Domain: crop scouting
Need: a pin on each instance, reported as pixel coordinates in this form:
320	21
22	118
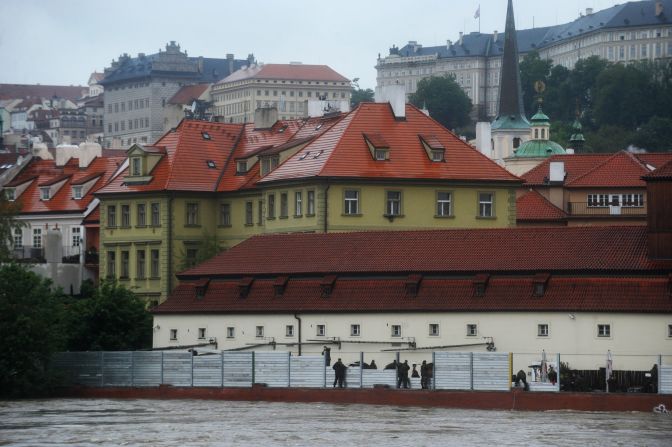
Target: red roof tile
295	72
549	249
662	173
188	93
535	207
15	91
620	170
345	153
353	294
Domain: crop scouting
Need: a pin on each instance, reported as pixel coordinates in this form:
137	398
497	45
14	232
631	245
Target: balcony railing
582	209
37	255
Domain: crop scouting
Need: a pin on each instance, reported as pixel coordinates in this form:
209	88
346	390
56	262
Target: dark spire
511	112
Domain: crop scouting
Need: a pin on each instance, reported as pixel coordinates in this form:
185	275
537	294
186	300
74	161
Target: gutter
170	243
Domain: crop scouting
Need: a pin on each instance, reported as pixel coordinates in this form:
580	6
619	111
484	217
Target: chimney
589	11
449	43
265	117
557	171
396	95
658	212
229	58
461	41
495	35
659	8
88	152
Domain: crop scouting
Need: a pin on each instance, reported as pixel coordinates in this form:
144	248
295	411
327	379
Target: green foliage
444	98
113	319
655	135
608	139
360	95
8	212
30	331
532	69
208	248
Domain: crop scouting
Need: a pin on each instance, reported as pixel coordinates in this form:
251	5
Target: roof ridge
170	159
605	163
351	116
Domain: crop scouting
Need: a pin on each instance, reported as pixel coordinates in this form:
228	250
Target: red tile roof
188	93
15	91
579	165
662	173
535	207
549	249
620	170
290	72
436	294
345	153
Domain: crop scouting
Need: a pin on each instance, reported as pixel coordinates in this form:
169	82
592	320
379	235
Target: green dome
540	119
539	148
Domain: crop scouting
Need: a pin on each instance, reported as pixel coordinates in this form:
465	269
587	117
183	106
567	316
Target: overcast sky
62	41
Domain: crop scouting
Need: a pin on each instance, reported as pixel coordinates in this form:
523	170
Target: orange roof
15	91
188	93
342	151
291	72
535	207
42	173
579	165
662	173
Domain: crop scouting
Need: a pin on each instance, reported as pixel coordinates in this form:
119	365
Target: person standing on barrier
522	377
326	352
424	375
414	373
403	379
373	365
339	376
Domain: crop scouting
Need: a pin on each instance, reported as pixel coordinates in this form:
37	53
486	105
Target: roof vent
244	286
413	285
327	285
481	283
279	285
540	282
200	288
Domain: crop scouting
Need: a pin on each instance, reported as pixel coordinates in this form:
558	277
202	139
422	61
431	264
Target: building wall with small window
635	339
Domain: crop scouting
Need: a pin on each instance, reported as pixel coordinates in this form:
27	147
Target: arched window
516	143
543	133
536	134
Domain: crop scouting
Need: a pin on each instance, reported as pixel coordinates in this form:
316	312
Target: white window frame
45	193
486	206
298	203
604	330
173	335
202	333
259	332
310	206
434	329
442	203
472	330
76	233
543	330
669	330
355	330
230	332
321	330
395	331
136	166
393	204
77	192
18	238
350	203
37	237
289	331
10	194
598	200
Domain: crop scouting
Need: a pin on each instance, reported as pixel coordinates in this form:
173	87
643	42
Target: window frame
136	166
481	203
270	206
173	334
289	331
298	203
440	202
125	267
543	330
77	192
155	214
140	263
321	330
202	333
350	202
310	202
125	213
390	203
604	330
192	215
249	213
225	214
155	263
472	329
432	332
259	332
395	331
141	215
284	205
355	330
230	332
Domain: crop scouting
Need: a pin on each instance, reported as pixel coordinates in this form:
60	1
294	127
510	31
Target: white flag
477	14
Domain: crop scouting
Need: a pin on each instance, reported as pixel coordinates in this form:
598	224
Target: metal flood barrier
451	371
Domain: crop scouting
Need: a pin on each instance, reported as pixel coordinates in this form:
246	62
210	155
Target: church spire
511	112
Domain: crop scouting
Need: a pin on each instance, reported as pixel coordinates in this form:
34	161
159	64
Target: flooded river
89	422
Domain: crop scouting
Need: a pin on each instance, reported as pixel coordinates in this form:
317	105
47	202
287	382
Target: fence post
289	369
433	378
510	368
102	368
252	367
471	370
192	369
132	368
221	361
557	365
162	367
660	371
324	374
361	369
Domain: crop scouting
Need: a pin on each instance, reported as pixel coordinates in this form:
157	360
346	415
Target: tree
655	135
360	95
533	69
208	248
8	223
113	319
31	330
444	98
623	97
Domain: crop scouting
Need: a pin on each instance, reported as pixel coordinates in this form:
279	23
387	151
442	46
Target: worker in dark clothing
522	377
373	365
393	365
424	375
326	352
402	376
414	373
339	376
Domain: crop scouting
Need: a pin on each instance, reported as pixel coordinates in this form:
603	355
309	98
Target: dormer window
136	166
380	149
381	154
269	163
10	194
433	146
241	167
437	155
45	193
77	192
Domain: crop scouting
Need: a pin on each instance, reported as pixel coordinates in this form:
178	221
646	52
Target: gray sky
63	41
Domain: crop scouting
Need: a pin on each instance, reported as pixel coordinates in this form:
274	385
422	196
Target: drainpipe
326	208
170	243
299	331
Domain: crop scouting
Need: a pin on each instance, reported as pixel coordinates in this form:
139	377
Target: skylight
303	156
206	136
211	164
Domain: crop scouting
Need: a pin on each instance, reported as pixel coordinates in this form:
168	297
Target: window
393	206
142	220
380	154
485	200
192	214
669	331
289	330
249	217
77	192
396	330
173	334
18	238
351	205
310	210
270	212
111	264
230	332
124	264
516	143
437	155
37	237
136	166
140	264
111	216
191	256
542	330
298	203
355	330
321	330
225	214
632	200
260	212
125	216
201	333
259	331
443	202
241	167
433	330
76	236
283	205
156	216
155	264
604	330
472	330
45	193
598	200
10	194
